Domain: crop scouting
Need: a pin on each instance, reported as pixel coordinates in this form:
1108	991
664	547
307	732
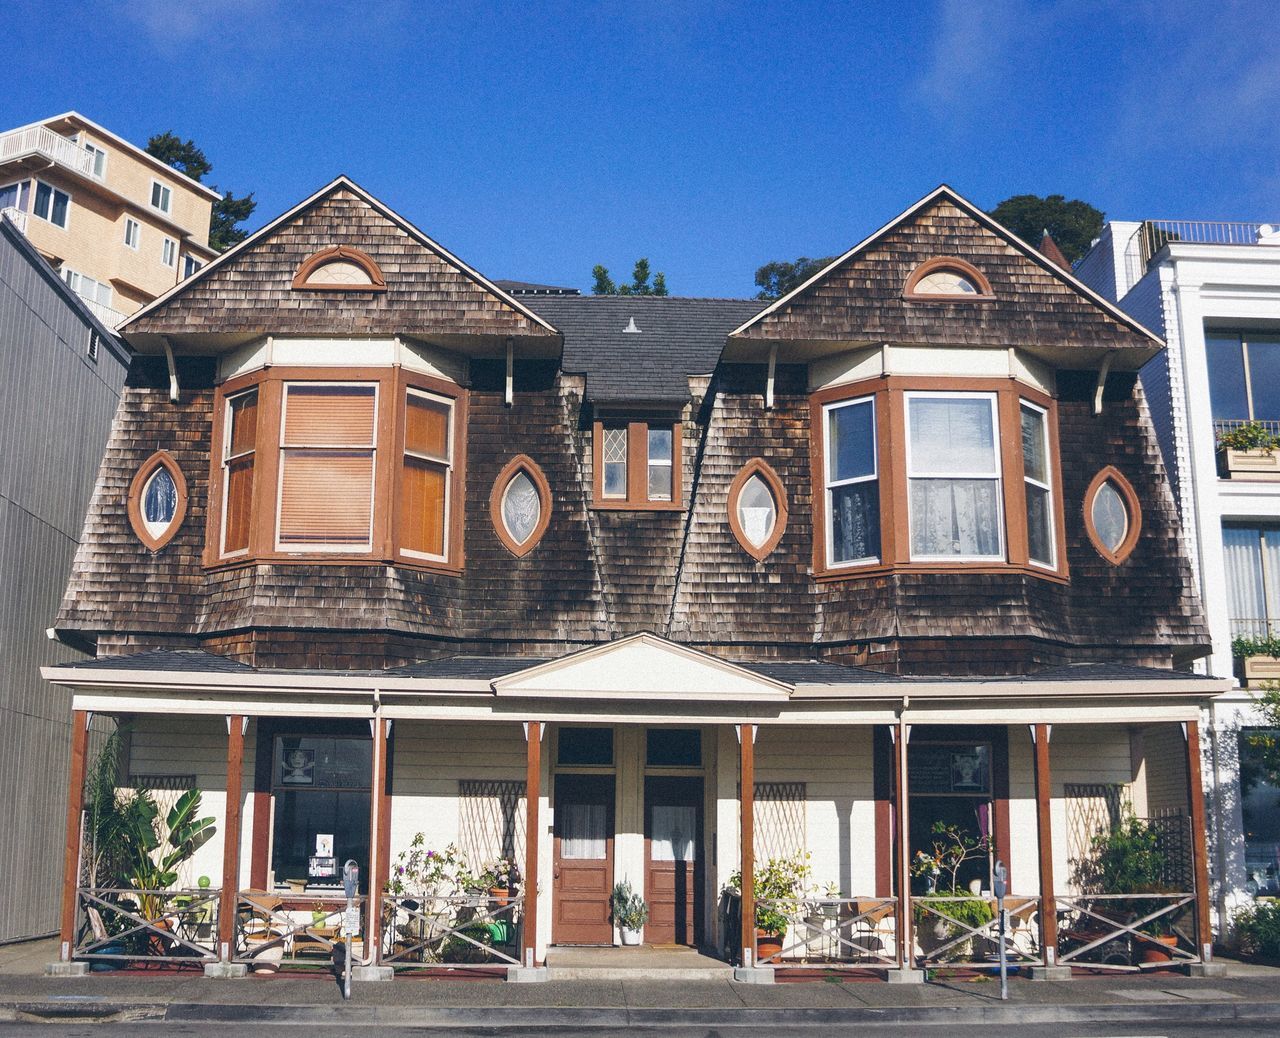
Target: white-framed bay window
954	491
1038	486
852	482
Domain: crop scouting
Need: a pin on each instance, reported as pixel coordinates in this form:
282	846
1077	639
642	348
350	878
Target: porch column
1199	843
747	801
373	928
906	942
532	794
231	837
75	813
1044	831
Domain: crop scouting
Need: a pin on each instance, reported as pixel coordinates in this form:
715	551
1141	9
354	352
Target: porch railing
116	924
274	930
834	932
1127	932
965	931
463	929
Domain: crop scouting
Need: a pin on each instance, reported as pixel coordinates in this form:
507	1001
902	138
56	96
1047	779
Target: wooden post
902	796
230	901
1199	841
532	794
75	813
747	800
373	881
1044	831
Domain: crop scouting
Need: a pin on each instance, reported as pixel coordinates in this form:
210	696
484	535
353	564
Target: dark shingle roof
532	288
194	660
481	668
677	338
815	672
1112	672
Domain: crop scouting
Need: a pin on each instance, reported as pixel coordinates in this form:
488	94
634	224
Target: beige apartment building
119	225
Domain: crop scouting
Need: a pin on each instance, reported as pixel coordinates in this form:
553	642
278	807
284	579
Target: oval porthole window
157	500
520	505
1112	515
757	509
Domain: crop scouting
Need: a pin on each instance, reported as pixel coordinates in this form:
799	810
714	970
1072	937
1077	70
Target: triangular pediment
643	667
429	293
862	297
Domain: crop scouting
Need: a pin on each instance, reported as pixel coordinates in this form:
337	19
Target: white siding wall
1024	836
1165	759
1083	754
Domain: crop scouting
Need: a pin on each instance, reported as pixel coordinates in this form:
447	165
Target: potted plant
630	912
939	869
1127	859
1249	449
1260	656
500	878
779	893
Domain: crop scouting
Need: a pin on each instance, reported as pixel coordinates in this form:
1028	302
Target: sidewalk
1246	993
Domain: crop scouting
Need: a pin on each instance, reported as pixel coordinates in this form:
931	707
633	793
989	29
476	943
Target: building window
317	467
161	197
87	288
190	265
1259	797
953	476
97	159
341	268
757	509
1112	515
132	232
1252	556
169	252
637	465
520	505
1244	377
912	475
52	205
947	278
14	196
157	500
585	747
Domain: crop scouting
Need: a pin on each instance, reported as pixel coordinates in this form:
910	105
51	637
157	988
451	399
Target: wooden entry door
582	873
673	860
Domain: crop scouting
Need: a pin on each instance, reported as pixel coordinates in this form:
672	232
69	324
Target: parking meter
1000	887
350	878
350	886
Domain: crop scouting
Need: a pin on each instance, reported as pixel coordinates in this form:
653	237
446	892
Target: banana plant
156	860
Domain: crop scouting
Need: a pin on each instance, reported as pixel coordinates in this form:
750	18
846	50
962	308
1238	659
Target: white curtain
955	517
674	829
1242	549
582	831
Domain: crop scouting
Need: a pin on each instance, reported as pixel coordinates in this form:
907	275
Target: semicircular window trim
340	268
947	279
1112	515
520	505
157	501
757	507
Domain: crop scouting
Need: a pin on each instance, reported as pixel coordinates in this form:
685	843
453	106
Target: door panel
582	860
673	866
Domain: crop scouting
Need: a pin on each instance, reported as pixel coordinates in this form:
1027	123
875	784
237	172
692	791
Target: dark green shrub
1258	930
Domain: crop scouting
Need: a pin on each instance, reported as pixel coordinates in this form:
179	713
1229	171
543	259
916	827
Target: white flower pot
630	938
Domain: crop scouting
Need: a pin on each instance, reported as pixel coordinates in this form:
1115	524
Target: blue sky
535	140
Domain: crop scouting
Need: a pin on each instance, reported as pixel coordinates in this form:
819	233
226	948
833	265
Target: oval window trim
1112	475
138	486
954	265
520	463
758	467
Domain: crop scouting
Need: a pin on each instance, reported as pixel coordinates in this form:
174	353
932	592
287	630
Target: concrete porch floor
646	962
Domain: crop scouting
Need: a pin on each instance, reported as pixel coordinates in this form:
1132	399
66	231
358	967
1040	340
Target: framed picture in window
970	770
298	767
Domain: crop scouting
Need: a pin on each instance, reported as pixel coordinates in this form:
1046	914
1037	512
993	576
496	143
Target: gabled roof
138	321
674	338
761	326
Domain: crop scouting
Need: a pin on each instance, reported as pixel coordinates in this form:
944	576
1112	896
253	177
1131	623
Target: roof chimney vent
631	328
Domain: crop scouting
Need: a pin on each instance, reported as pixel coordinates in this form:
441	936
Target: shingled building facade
663	591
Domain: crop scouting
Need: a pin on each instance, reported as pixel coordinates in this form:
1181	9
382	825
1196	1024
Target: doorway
582	859
673	859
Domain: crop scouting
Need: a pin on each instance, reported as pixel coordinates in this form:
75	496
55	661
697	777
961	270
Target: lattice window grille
1093	808
615	445
780	830
491	821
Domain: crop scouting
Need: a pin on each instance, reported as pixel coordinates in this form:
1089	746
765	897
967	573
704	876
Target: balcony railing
1156	234
1222	426
16	217
111	318
42	142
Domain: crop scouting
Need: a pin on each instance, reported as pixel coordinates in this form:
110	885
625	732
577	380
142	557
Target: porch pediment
646	667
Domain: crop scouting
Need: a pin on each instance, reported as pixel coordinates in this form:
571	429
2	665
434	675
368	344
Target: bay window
426	475
852	486
1041	549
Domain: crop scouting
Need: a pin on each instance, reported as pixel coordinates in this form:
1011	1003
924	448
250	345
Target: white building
1213	291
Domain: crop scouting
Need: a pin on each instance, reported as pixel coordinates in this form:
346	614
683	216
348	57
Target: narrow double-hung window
161	197
1041	549
132	232
326	467
613	457
169	252
953	476
428	471
660	471
239	453
97	160
852	482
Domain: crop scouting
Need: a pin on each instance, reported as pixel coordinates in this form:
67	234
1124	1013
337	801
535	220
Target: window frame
170	246
137	487
130	224
448	465
637	495
520	463
1111	474
53	193
956	265
758	467
385	546
95	153
828	485
1052	564
166	192
891	428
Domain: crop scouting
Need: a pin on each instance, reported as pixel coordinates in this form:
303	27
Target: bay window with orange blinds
321	464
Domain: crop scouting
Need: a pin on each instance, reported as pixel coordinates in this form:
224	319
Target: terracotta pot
502	895
767	944
1158	948
157	945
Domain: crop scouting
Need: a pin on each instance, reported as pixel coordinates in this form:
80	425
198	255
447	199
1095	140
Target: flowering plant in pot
780	885
630	912
500	878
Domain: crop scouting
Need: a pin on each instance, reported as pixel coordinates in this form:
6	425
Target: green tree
229	211
1263	764
639	286
778	278
1073	225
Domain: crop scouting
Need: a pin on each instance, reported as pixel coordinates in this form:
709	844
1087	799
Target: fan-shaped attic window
157	500
342	268
520	505
947	278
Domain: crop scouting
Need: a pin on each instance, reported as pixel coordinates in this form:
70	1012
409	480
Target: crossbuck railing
1127	932
947	935
475	929
119	924
834	932
40	140
293	929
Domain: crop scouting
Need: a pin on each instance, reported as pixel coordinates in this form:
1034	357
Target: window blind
425	479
